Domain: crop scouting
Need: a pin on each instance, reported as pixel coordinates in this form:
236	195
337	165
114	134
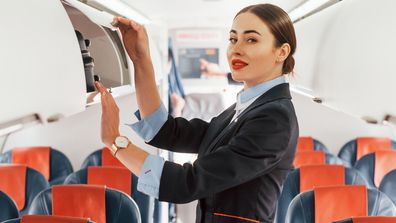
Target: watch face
121	141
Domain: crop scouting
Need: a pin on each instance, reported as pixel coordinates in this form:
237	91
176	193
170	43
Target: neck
276	72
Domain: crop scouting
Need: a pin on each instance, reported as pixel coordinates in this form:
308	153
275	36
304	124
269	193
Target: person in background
245	153
209	69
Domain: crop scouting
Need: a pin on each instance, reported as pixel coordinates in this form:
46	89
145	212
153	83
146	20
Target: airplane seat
315	158
357	148
101	157
22	184
388	185
104	158
9	209
376	165
327	204
48	219
53	164
370	219
100	204
307	143
307	177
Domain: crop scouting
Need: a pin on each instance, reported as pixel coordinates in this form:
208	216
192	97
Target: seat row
25	182
312	151
319	192
96	202
301	185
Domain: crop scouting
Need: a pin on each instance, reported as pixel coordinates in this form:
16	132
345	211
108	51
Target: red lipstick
238	64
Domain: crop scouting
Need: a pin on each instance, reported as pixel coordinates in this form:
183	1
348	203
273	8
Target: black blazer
241	166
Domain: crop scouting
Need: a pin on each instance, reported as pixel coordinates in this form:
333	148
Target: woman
245	153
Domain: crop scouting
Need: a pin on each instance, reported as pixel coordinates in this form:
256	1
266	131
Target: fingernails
115	22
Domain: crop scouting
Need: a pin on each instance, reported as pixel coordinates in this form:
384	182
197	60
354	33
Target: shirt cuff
148	127
150	176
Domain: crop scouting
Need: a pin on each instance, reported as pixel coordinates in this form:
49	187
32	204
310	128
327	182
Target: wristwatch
121	142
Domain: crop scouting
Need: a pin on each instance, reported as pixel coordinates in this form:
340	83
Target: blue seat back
8	208
302	208
120	208
348	152
35	183
60	165
291	189
145	202
48	220
370	219
388	185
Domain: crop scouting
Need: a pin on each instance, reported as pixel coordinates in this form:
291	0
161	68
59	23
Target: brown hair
281	27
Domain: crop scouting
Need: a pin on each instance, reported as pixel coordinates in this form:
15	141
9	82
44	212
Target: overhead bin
345	58
41	70
42	65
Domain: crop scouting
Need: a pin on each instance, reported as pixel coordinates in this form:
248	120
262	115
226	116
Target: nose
236	49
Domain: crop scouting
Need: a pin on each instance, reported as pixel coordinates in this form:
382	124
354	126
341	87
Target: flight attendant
245	153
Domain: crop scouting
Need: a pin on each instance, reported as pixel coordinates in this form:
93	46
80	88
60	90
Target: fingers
204	63
102	90
124	23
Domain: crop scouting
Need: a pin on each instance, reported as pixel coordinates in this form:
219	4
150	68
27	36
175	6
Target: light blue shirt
147	128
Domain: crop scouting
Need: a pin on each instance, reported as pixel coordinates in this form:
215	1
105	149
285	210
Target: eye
232	40
251	40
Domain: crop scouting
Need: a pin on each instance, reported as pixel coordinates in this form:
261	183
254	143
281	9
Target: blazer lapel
278	92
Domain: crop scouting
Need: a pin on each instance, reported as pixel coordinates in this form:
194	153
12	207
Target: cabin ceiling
193	13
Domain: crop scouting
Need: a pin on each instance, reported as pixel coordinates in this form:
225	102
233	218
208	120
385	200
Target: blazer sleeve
255	150
180	135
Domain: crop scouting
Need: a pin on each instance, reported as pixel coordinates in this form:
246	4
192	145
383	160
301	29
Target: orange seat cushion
109	160
320	176
309	158
366	145
305	144
374	219
340	202
114	177
51	219
13	183
37	158
385	161
85	201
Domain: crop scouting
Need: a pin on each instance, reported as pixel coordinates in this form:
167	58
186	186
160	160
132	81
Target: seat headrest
37	158
366	145
321	175
13	183
309	158
109	160
340	202
114	177
370	219
305	144
86	201
52	219
385	161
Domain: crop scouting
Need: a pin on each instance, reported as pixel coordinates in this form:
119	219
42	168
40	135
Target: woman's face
252	55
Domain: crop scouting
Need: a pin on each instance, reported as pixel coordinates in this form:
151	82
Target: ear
283	52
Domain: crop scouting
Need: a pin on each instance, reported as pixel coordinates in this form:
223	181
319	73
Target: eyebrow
246	31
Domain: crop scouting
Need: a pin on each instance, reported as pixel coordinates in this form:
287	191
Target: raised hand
135	39
110	116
